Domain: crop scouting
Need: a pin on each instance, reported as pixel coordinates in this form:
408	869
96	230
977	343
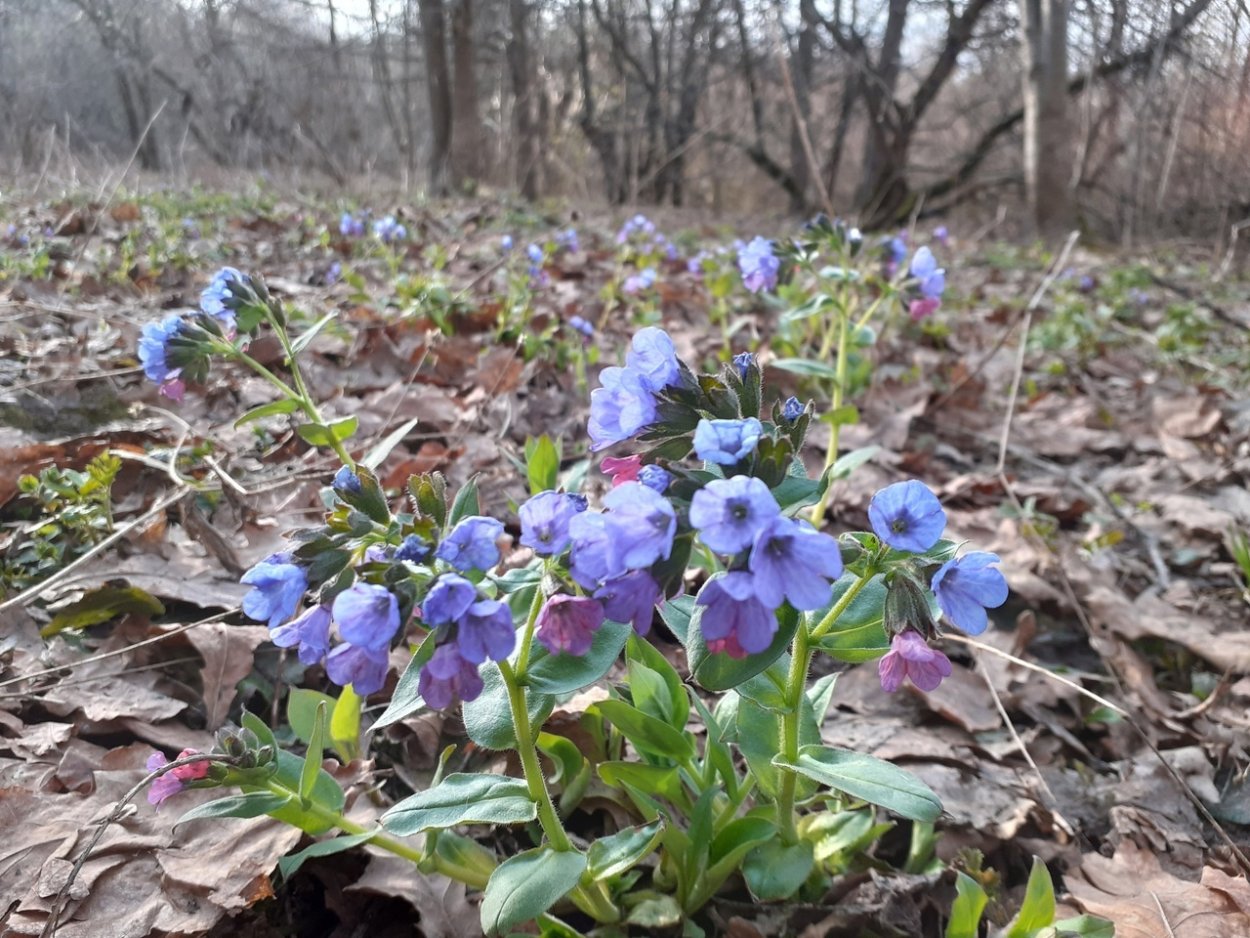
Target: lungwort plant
703	529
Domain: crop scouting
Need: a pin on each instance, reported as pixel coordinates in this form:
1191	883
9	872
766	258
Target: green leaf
407	699
101	605
306	337
312	759
649	735
613	855
807	368
376	456
858	635
325	792
774	870
844	416
872	780
1086	926
288	865
301	711
488	718
654	911
654	684
849	462
527	885
462	798
542	464
251	804
676	614
345	724
759	739
966	911
466	503
564	754
316	434
283	405
718	672
1038	908
563	673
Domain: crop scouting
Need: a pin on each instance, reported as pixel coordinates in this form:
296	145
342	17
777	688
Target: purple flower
568	239
966	587
310	631
620	408
725	442
655	478
653	358
568	624
333	273
486	631
363	668
505	243
228	291
923	307
793	561
448	599
730	513
792	410
388	230
448	677
911	657
941	235
175	780
154	355
639	224
545	521
734	620
631	598
590	559
278	586
412	548
695	264
643	280
743	362
367	615
758	264
640	526
931	277
471	544
907	516
350	226
895	249
582	326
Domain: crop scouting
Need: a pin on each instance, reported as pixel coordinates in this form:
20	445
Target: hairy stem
796	685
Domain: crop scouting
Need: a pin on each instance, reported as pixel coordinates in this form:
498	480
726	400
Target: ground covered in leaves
1114	489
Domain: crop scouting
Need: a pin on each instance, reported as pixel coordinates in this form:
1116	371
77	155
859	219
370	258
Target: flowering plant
717	546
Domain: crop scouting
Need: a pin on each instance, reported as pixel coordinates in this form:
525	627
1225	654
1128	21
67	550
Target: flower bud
907	607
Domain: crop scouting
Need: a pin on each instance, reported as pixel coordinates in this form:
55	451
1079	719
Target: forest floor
1113	489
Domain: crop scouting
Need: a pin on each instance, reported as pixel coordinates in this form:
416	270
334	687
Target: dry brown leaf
228	652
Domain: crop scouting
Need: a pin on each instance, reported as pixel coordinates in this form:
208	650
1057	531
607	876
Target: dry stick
809	154
1240	857
40	588
58	903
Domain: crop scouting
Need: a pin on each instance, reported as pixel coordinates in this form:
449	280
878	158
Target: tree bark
468	147
438	86
1047	136
528	157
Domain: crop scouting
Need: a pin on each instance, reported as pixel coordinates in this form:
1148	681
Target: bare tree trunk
438	85
468	146
804	63
528	157
1047	137
879	148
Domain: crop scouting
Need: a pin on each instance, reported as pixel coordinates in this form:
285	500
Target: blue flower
590	559
448	677
758	264
568	624
932	279
486	631
311	631
505	243
448	599
388	230
363	668
345	480
367	615
228	290
895	249
655	478
350	226
941	234
725	442
154	354
582	326
640	526
643	280
743	362
278	586
730	513
545	521
966	587
412	548
568	239
333	273
471	544
653	358
631	598
534	253
792	410
907	516
620	408
794	561
734	620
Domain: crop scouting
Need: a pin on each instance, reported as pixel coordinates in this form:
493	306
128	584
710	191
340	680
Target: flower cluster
388	230
636	283
176	779
644	238
759	265
352	225
626	401
930	282
567	239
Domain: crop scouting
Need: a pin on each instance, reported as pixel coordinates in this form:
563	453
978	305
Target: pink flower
568	624
923	307
622	469
173	782
911	657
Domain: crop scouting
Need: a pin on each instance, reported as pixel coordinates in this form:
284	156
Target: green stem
796	685
839	385
547	816
527	636
841	605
